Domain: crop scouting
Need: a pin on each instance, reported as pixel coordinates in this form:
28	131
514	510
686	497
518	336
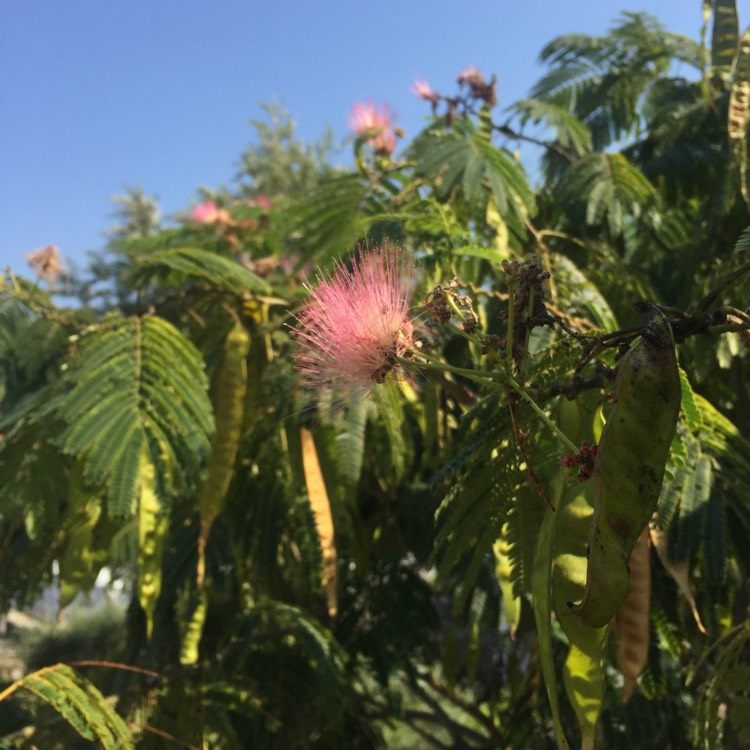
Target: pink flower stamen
422	89
367	118
208	213
46	263
355	326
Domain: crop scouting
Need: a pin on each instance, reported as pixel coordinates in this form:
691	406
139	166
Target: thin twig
520	440
164	735
113	665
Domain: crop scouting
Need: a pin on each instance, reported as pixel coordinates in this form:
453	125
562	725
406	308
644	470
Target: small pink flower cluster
477	85
367	118
422	89
585	460
261	201
355	324
209	213
46	263
470	76
471	79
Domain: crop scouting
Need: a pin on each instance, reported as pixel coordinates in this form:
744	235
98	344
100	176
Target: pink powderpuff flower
356	323
262	200
422	89
208	213
366	117
46	263
469	75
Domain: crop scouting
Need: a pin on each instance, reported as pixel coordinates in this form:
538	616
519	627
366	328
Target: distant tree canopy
280	164
535	537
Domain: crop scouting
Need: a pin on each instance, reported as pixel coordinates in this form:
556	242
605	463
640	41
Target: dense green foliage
402	577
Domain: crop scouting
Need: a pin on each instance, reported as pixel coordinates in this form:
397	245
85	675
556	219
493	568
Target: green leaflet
688	407
350	443
688	524
79	702
152	531
390	413
504	573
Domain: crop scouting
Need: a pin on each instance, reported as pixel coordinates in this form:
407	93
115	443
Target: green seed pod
231	385
193	631
583	670
229	408
79	565
152	531
629	468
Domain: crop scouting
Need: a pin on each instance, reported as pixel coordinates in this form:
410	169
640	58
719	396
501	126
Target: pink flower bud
208	213
422	89
365	118
46	263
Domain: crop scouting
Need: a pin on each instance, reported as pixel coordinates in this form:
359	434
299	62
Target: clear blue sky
96	94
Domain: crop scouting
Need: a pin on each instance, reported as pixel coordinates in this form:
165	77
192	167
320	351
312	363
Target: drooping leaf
570	133
581	295
197	263
79	702
606	186
462	157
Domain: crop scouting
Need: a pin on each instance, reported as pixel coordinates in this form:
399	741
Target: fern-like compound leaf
131	380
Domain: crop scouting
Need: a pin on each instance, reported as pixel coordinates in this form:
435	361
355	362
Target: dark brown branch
729	279
515	135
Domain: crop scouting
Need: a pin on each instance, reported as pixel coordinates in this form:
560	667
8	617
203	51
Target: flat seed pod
629	468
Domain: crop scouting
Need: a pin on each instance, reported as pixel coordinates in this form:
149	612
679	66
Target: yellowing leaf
678	570
632	622
321	508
